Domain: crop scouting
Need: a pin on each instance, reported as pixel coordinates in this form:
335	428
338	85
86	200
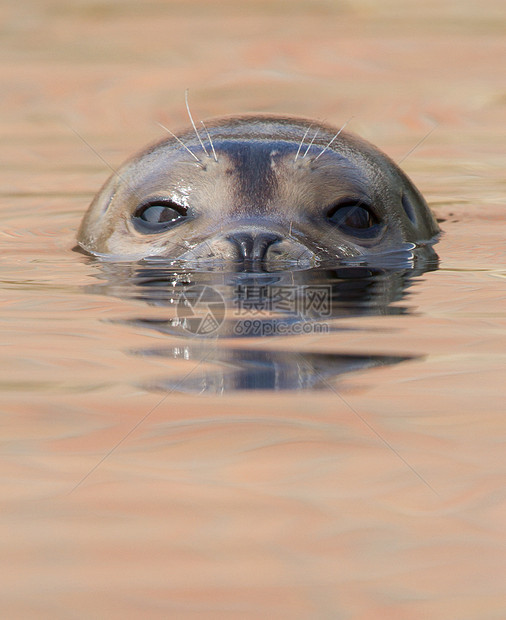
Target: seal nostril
253	246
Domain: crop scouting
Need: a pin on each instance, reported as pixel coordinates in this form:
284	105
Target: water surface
353	470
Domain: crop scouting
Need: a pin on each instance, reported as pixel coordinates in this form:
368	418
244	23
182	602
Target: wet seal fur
264	192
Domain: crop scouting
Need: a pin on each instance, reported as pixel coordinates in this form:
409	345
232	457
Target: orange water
381	496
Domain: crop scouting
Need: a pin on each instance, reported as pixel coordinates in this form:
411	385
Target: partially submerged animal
261	192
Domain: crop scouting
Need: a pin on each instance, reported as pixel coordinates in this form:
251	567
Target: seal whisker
321	153
183	145
302	142
311	143
419	143
210	141
193	122
115	172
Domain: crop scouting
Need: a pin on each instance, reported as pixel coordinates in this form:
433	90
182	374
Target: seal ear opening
408	208
422	219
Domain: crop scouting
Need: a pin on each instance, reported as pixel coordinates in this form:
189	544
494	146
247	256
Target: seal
266	192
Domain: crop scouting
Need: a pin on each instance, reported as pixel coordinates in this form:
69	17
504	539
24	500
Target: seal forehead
268	176
251	164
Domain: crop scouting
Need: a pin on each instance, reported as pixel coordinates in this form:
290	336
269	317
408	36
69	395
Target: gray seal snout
253	246
252	249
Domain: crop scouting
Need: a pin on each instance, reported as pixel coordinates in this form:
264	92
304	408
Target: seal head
264	192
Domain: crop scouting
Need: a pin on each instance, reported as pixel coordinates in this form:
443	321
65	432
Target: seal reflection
204	314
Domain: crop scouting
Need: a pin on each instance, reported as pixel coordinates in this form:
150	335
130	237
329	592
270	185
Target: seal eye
354	217
158	216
